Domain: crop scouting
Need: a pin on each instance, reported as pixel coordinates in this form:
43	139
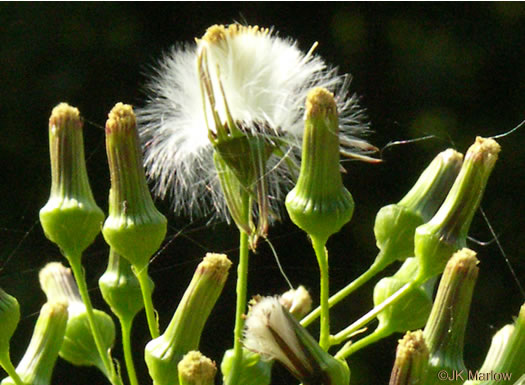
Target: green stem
322	259
125	325
352	347
375	268
105	356
242	286
348	331
145	287
5	362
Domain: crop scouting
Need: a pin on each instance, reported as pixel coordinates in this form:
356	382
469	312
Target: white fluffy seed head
297	301
265	79
266	327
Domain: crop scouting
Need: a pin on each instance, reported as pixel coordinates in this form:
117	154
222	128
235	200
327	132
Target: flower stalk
409	314
446	232
319	204
395	224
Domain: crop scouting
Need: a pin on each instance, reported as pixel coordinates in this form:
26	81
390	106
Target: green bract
506	353
184	331
120	287
445	329
394	231
409	313
36	366
319	204
9	318
70	218
447	231
134	227
396	223
78	347
253	369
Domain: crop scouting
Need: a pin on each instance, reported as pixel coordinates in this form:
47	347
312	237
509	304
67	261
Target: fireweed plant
238	125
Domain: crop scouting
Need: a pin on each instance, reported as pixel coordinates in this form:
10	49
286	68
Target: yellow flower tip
412	343
320	102
196	368
121	117
63	114
215	34
56	308
463	260
218	32
217	265
485	150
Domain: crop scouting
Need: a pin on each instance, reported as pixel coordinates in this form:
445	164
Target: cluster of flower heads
246	77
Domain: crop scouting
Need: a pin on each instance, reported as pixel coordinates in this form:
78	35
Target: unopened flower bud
410	366
70	218
120	287
253	369
184	331
134	228
319	204
506	354
78	347
275	334
447	231
196	369
9	318
395	224
297	301
36	366
445	329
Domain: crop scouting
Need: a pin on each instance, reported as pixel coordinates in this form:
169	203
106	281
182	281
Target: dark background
451	70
